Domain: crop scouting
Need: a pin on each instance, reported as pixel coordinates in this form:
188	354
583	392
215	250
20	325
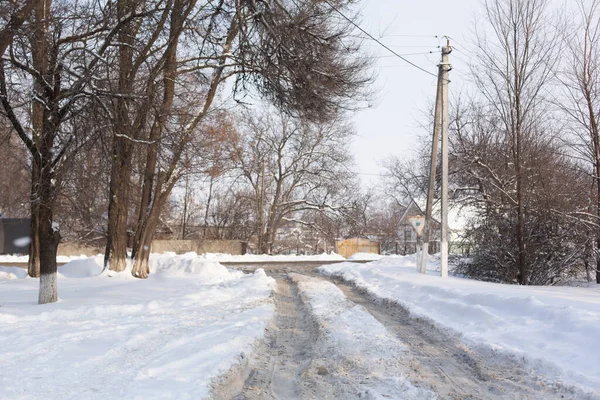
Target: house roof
408	208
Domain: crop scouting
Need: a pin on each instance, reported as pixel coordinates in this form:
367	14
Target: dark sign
15	235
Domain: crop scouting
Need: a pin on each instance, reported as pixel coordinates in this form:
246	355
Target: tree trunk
169	76
595	131
40	63
522	260
185	207
122	152
141	268
116	244
207	210
33	265
49	237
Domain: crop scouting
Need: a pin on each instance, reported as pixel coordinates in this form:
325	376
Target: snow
12	273
82	267
169	336
365	256
552	329
351	336
8	258
251	258
271	258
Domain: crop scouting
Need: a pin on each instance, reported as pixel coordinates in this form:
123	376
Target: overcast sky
391	125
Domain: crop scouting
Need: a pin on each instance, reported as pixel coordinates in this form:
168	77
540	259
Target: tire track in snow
450	368
278	364
286	366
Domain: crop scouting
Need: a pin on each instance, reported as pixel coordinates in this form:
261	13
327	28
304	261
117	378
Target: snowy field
553	330
119	337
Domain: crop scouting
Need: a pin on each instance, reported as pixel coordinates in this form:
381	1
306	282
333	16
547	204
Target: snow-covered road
195	329
551	331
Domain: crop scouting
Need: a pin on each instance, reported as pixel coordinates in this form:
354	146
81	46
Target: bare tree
484	180
581	82
512	75
14	174
292	166
298	55
46	76
13	17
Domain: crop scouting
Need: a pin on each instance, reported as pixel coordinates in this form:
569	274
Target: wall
199	246
76	249
348	247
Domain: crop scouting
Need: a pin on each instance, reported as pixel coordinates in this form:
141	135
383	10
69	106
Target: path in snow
280	362
450	368
290	364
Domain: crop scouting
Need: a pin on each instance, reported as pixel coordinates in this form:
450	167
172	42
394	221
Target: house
406	237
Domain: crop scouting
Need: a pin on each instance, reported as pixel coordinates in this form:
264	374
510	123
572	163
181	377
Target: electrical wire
377	40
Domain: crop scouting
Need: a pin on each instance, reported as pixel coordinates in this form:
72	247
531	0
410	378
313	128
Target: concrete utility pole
432	171
440	124
261	220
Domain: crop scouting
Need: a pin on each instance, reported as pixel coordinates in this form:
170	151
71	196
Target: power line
377	40
403	54
419	36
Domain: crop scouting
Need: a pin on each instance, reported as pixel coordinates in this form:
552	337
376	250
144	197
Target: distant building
404	239
407	238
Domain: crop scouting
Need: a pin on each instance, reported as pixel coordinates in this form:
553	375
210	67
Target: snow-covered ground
365	256
8	258
362	355
251	258
119	337
271	258
552	329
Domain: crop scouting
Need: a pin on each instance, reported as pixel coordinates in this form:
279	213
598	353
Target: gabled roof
411	203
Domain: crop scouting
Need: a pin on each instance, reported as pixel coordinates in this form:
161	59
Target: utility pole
440	124
432	172
262	209
185	203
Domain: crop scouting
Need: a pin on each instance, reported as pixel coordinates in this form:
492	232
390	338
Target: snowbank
365	256
7	258
191	264
12	273
168	336
356	344
552	328
82	267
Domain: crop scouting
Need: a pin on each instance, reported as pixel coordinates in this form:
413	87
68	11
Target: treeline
525	144
115	99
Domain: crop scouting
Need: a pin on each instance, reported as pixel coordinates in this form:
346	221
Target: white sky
391	125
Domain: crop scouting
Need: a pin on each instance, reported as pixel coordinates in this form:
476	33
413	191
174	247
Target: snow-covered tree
46	78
